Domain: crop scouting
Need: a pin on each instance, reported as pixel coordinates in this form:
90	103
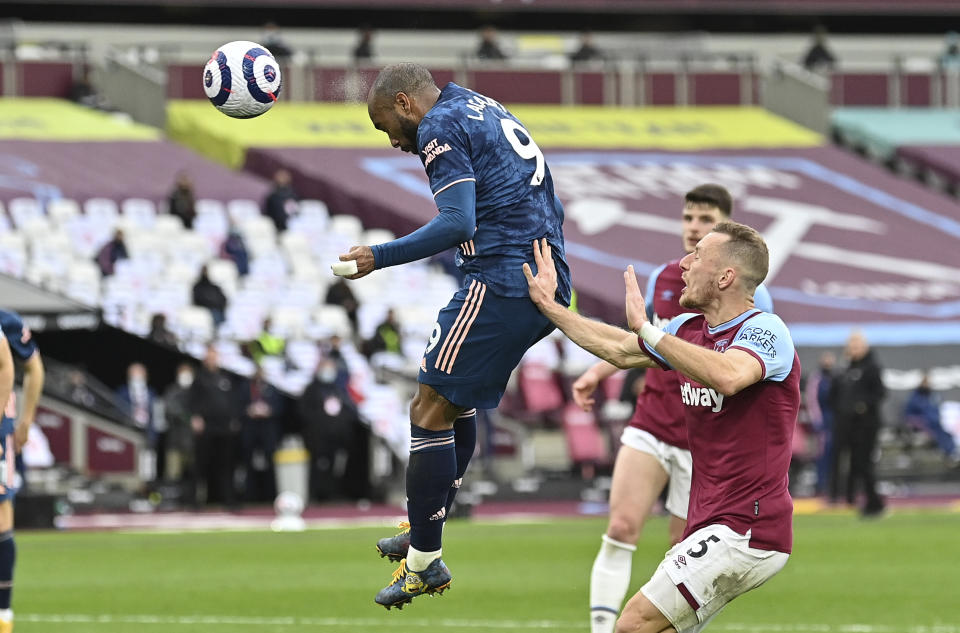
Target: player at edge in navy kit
13	435
739	381
495	196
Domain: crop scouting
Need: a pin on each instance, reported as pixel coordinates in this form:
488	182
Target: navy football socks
465	436
8	554
430	473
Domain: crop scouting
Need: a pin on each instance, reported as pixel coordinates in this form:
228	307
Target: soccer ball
242	79
288	503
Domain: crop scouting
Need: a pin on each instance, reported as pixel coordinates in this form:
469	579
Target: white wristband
651	334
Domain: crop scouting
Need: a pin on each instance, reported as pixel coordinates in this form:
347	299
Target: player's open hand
363	255
583	389
543	286
636	308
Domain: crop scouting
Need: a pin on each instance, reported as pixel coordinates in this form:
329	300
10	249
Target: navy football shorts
477	341
8	461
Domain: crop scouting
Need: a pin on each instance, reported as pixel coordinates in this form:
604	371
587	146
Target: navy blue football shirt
18	335
466	136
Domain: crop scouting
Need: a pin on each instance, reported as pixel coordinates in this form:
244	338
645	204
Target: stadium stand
643	159
53	236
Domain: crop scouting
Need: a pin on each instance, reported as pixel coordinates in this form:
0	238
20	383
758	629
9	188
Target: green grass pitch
897	574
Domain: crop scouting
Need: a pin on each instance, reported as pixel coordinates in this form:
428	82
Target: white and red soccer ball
242	79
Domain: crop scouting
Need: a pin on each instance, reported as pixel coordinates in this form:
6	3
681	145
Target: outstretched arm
616	346
584	386
455	223
6	372
32	389
728	372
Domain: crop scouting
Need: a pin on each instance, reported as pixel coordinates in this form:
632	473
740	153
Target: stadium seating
54	245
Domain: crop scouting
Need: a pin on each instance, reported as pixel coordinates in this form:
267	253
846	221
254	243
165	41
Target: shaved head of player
399	98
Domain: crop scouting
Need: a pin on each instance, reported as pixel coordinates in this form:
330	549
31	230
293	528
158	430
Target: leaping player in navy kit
740	386
494	193
654	452
17	340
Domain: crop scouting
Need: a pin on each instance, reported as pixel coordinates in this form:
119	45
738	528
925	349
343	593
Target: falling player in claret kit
738	377
654	454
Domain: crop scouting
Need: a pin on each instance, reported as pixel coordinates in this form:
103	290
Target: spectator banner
110	453
65	320
851	244
58	428
221	138
59	120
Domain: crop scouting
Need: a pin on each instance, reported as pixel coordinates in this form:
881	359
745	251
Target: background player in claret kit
654	449
739	381
495	196
13	436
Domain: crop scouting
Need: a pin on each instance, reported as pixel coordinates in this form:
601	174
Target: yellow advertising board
200	126
59	120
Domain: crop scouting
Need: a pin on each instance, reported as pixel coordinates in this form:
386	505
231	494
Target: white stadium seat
22	210
140	211
190	246
83	270
60	211
194	323
213	226
166	296
206	205
377	236
13	242
102	211
295	243
52	242
270	268
288	321
240	210
303	267
304	294
348	226
87	235
83	282
181	272
304	354
142	243
331	319
168	226
258	227
13	254
261	246
308	225
223	272
36	226
314	209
